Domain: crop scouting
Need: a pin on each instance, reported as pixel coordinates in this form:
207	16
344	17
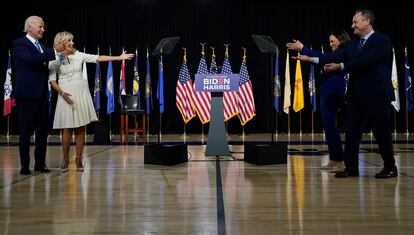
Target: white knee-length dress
70	80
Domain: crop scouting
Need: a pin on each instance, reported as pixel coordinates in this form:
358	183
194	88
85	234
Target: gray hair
62	37
29	22
367	15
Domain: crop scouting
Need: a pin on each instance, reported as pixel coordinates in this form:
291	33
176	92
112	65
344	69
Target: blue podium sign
216	82
217	144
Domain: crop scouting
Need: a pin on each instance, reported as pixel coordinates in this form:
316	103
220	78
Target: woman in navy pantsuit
332	94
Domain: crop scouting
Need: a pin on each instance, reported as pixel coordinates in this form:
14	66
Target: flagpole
272	89
406	99
312	87
185	125
406	116
312	122
148	131
289	124
110	129
8	128
84	51
395	123
110	121
300	123
243	135
202	133
273	92
159	92
159	134
276	126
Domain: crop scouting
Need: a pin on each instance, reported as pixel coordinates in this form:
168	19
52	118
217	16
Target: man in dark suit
31	92
369	92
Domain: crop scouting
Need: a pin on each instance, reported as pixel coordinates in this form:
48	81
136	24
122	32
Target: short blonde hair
62	37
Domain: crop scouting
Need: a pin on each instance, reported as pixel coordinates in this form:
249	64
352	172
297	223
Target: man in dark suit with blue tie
369	92
31	92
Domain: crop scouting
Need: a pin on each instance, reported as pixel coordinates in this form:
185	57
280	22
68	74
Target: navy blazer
31	70
368	67
331	83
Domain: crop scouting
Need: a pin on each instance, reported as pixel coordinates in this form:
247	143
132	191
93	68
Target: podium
217	144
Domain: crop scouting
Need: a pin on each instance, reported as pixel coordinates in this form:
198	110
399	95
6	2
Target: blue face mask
63	59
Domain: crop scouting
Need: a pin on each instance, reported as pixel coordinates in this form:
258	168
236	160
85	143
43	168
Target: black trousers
377	117
33	116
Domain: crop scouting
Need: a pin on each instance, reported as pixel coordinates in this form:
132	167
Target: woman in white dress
74	107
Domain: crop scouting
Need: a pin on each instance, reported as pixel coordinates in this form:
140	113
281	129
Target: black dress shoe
25	171
347	173
43	169
385	173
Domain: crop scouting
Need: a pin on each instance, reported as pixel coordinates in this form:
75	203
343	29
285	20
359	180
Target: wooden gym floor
119	194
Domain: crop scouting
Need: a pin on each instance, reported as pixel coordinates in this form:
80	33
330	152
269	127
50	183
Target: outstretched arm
123	56
296	45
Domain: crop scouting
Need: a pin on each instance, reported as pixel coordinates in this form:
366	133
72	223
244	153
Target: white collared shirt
34	41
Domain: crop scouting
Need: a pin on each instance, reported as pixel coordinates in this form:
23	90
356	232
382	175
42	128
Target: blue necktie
38	46
361	43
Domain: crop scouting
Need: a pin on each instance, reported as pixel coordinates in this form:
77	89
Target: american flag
245	96
202	100
213	66
230	97
184	92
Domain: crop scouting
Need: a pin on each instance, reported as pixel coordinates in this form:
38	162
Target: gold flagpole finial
202	48
213	51
98	50
185	54
322	48
227	49
110	52
244	54
405	49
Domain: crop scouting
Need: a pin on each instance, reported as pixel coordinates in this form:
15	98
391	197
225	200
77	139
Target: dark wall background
137	24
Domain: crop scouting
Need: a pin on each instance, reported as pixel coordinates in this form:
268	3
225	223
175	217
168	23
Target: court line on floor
221	217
